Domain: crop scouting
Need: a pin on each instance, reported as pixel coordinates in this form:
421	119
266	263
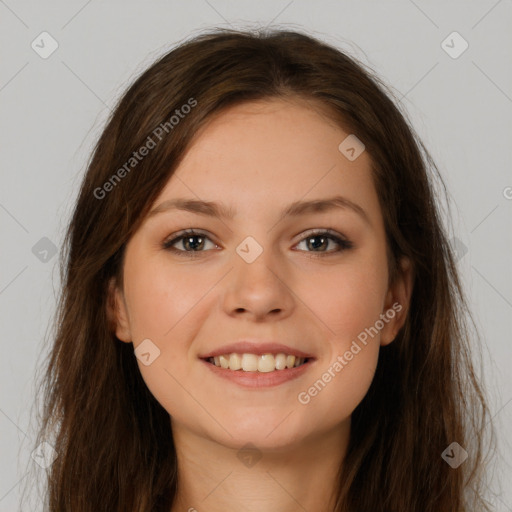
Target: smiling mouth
257	363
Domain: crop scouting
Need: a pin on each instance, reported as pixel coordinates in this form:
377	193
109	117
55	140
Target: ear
117	312
397	301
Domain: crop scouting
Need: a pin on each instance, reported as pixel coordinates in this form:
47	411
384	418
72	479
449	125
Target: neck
300	476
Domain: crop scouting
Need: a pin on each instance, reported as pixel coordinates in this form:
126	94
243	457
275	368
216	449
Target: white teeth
254	363
280	361
235	361
266	363
249	363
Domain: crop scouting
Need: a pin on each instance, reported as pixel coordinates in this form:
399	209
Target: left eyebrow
295	209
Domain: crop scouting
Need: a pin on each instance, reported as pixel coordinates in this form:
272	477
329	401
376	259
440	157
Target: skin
257	158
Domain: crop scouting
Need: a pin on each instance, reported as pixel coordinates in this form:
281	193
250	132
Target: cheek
160	310
347	299
160	298
349	302
338	388
165	306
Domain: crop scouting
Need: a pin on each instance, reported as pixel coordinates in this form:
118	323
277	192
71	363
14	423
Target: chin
272	430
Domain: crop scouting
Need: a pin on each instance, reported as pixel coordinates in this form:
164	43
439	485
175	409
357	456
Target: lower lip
259	379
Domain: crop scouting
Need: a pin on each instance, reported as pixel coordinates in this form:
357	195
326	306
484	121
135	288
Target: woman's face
261	277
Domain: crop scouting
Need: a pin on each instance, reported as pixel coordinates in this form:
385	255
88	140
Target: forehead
270	138
275	122
260	154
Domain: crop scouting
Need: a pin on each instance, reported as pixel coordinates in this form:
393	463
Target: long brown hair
113	439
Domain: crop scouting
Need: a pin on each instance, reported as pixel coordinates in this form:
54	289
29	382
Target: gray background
53	109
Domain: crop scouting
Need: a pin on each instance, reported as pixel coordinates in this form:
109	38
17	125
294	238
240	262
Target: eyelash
343	244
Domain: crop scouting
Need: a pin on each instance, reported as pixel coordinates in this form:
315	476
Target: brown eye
318	241
189	242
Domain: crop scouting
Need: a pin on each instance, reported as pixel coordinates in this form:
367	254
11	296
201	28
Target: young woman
260	309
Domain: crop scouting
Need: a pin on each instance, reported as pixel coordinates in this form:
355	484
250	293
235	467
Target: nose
259	290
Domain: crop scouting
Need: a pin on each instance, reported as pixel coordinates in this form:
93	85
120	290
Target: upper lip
256	347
